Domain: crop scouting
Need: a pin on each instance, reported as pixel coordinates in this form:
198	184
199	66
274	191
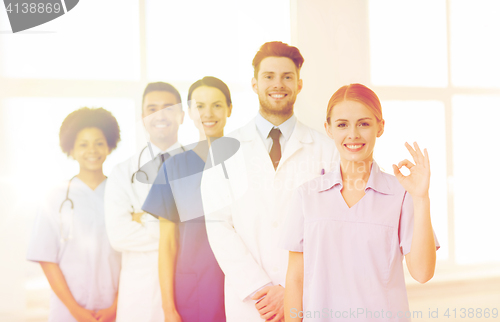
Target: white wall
332	37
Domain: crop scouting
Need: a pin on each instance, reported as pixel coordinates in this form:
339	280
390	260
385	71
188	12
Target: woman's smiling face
354	128
90	149
209	110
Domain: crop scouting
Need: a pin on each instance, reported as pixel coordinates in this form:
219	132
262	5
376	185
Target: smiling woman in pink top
348	230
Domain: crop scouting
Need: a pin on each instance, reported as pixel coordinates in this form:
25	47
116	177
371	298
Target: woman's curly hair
87	118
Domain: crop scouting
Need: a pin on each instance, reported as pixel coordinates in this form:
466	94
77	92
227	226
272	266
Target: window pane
475	47
423	122
32	126
408	43
95	40
189	39
476	189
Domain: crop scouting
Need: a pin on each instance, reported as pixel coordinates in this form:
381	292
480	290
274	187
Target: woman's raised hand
417	182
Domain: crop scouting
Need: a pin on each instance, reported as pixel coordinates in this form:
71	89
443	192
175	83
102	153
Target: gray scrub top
79	244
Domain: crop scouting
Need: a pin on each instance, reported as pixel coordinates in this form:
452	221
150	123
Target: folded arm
125	234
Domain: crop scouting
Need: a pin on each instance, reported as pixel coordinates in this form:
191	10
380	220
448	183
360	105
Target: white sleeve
292	232
45	239
124	233
249	297
240	268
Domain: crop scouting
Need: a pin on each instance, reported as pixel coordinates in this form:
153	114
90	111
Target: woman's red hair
358	93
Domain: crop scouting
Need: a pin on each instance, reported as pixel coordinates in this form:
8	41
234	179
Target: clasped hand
271	306
104	315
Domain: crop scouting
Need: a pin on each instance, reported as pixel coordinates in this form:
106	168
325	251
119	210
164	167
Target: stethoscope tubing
70	234
152	157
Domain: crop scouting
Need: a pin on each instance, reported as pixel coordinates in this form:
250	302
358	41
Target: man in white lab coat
130	231
245	204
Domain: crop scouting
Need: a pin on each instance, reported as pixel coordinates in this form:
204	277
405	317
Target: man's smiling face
277	85
162	114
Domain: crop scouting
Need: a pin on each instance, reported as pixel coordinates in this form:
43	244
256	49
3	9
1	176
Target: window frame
444	95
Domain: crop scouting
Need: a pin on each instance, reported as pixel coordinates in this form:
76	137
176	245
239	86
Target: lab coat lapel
250	136
249	131
300	135
140	189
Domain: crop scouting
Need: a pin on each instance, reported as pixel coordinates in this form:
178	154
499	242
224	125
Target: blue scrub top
176	196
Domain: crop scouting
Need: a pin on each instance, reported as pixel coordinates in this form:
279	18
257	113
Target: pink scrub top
353	268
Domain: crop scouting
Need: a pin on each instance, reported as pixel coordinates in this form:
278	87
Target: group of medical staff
272	222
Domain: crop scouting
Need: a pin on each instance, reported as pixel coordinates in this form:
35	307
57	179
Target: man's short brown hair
277	49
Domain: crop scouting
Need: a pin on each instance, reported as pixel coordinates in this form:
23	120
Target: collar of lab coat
301	135
300	132
146	156
173	149
264	126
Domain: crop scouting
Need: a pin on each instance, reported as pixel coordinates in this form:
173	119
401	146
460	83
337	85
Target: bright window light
32	126
408	43
423	122
475	47
94	44
190	39
476	189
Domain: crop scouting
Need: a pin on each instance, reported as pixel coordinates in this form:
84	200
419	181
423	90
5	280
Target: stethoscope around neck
72	220
68	199
152	157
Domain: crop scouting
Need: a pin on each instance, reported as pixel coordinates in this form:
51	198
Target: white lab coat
139	292
79	245
247	210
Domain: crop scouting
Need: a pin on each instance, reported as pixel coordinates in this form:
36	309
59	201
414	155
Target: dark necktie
275	153
162	158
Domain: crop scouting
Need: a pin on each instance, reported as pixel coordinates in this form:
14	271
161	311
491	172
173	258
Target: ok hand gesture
417	183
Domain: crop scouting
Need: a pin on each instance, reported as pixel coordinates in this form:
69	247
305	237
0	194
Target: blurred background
434	64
